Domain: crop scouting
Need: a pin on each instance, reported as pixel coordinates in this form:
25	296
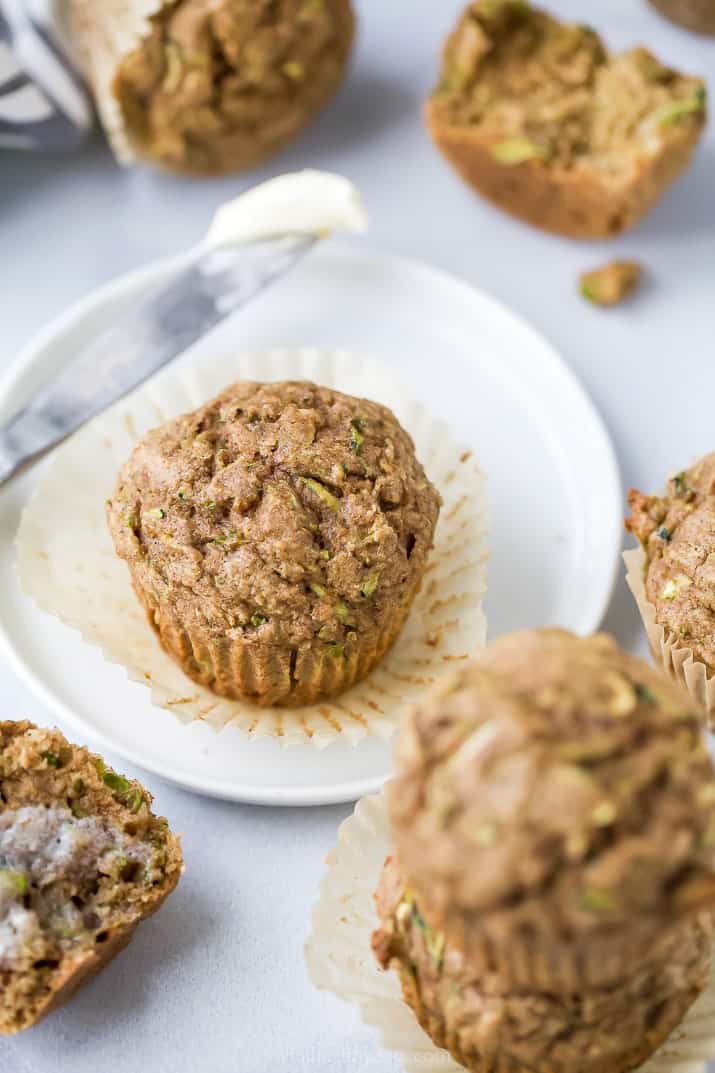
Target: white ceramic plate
553	484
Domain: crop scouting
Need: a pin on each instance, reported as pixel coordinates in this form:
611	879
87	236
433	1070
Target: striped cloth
43	104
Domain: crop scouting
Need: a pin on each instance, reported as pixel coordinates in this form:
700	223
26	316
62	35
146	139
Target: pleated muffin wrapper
339	958
244	669
66	561
103	34
676	659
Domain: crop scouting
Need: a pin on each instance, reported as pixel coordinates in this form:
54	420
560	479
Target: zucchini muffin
276	537
221	85
83	861
554	812
605	1030
677	534
538	117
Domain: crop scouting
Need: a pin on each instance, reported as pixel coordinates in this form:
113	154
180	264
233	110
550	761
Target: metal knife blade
211	284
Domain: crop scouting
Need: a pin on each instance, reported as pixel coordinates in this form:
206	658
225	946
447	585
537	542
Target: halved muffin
276	537
538	117
83	860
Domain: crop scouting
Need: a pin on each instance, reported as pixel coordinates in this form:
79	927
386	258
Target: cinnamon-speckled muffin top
677	532
559	781
283	515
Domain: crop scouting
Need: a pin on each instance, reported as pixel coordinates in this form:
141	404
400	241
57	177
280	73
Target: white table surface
216	981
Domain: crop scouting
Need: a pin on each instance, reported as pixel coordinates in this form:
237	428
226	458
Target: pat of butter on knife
301	203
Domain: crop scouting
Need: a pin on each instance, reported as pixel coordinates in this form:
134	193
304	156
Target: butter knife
209	285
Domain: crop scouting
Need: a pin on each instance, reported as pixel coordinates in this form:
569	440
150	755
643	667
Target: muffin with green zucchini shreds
487	1030
276	537
671	576
83	861
220	86
538	117
553	812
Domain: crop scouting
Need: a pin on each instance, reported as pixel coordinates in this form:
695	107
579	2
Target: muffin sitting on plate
677	534
276	537
549	902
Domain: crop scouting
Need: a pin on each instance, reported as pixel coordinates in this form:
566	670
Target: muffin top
677	531
543	90
280	514
555	776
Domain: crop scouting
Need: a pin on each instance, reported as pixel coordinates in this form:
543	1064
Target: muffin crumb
612	283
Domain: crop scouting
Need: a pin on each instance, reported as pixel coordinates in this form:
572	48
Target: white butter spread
20	936
300	203
47	844
40	847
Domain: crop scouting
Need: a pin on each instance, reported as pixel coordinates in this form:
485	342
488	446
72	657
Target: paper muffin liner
677	660
67	563
339	958
103	34
238	669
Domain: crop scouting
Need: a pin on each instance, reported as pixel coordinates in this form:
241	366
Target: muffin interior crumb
218	85
537	89
81	857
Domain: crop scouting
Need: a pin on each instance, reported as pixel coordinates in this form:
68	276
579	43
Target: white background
216	982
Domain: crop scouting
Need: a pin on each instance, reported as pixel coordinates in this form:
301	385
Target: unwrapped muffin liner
339	958
67	563
677	660
104	33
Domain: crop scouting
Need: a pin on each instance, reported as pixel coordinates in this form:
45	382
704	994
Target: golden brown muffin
677	533
276	537
540	119
554	811
221	85
83	861
696	15
606	1030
